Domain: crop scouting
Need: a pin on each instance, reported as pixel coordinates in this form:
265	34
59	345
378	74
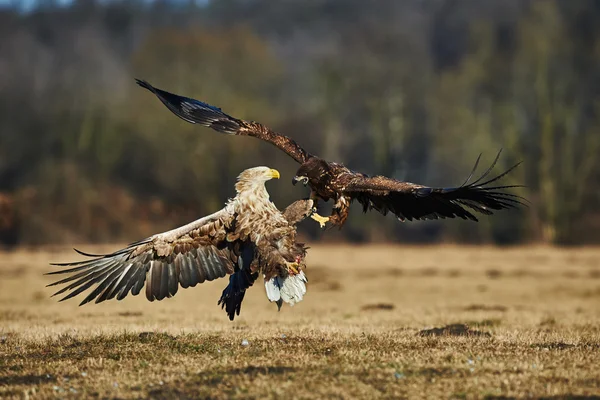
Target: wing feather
202	273
150	279
136	275
139	283
191	264
198	112
173	281
109	284
92	277
184	278
409	201
124	281
153	263
101	280
84	273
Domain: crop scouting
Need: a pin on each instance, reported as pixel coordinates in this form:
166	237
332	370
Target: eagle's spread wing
410	201
185	256
198	112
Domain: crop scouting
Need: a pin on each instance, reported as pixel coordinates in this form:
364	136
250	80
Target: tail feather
294	288
290	289
273	288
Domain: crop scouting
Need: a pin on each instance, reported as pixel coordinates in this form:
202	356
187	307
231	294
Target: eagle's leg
293	268
315	215
340	211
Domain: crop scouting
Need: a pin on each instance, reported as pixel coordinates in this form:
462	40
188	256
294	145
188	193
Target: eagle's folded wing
198	112
409	201
298	211
185	256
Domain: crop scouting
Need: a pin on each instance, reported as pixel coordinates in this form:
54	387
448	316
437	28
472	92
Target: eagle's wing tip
144	84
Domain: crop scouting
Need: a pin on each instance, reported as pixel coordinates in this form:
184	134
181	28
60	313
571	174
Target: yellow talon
320	219
293	268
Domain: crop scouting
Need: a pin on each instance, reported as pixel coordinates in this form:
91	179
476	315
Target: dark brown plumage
248	237
197	112
329	180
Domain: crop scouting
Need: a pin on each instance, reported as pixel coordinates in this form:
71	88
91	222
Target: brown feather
191	263
409	201
298	211
150	278
197	112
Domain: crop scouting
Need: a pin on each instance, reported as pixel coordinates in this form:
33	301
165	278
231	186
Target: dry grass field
364	330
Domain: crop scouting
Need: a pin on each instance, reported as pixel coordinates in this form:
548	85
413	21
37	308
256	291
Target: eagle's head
255	178
311	172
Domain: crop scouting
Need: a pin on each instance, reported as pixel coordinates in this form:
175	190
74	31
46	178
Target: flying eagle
248	237
330	180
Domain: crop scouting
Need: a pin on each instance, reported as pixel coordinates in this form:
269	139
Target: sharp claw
293	268
320	219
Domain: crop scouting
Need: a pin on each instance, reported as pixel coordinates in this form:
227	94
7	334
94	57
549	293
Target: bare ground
377	322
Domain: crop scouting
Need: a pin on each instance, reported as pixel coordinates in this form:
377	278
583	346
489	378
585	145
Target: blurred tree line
411	89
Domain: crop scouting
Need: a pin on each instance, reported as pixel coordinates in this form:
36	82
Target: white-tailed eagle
247	238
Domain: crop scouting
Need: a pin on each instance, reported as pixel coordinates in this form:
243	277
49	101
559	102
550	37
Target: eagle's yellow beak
274	174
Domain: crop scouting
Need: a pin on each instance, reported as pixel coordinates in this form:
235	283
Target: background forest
412	89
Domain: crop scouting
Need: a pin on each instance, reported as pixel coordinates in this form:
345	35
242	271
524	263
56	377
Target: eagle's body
333	181
247	238
328	181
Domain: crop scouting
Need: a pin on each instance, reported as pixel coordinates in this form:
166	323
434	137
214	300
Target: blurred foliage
413	89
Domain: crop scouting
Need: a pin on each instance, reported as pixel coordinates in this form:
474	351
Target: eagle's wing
186	256
197	112
298	211
410	201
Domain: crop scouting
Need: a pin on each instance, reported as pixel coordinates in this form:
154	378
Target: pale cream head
253	178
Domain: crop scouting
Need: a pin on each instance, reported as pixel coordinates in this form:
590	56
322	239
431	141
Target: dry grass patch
538	332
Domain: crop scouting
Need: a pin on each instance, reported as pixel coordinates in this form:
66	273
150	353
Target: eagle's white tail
290	289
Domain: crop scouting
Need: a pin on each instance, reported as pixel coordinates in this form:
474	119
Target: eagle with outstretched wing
330	180
247	238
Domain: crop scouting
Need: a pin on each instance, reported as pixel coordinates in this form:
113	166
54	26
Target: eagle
331	180
247	238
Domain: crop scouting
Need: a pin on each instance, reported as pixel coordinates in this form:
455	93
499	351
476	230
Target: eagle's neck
254	189
253	195
254	208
